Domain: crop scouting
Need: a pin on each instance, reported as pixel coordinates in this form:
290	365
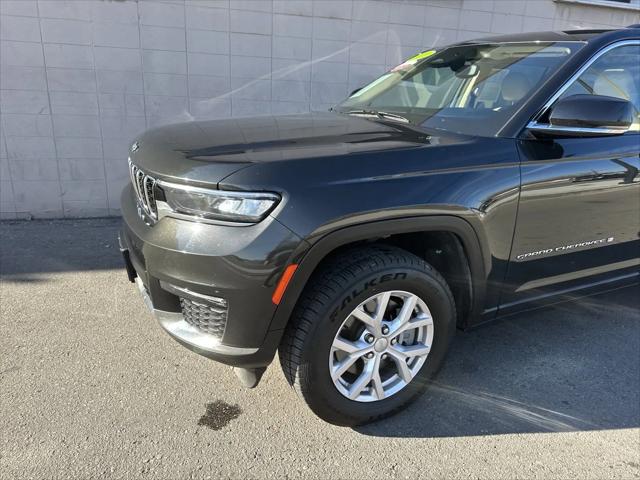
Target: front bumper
177	327
175	261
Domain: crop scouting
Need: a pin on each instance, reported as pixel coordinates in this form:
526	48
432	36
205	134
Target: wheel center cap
381	345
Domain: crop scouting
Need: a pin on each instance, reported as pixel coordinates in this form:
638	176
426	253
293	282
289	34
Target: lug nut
369	355
385	330
394	341
369	338
384	356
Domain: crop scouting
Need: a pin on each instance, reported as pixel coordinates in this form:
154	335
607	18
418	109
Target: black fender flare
309	255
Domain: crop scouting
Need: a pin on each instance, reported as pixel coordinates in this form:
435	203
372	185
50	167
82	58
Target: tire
326	307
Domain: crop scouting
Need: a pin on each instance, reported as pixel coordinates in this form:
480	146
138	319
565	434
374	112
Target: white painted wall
79	79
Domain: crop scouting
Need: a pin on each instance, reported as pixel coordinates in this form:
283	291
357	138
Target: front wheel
371	328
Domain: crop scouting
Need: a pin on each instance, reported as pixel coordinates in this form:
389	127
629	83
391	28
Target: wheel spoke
405	313
419	350
362	381
376	381
367	319
348	346
343	366
374	323
381	308
401	364
404	371
423	320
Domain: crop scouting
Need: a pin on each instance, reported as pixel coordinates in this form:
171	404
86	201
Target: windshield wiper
379	114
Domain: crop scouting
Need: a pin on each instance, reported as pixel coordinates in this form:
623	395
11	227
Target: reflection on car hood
217	148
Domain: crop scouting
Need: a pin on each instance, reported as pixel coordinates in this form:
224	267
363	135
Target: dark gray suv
468	183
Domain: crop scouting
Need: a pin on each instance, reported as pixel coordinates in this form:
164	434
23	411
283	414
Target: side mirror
586	116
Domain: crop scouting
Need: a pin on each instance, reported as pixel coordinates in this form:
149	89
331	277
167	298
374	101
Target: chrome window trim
534	125
545	127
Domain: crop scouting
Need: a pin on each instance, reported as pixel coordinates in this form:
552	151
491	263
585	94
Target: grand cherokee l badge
562	248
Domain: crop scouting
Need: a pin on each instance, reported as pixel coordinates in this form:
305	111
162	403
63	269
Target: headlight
205	204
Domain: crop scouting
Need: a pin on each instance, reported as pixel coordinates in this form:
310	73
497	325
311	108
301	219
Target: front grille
143	185
206	317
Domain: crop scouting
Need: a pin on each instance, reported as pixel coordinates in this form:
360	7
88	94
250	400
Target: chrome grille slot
149	183
143	185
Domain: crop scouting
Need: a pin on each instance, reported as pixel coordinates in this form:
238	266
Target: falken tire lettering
368	284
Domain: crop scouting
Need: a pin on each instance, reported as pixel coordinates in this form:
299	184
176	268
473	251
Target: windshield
468	89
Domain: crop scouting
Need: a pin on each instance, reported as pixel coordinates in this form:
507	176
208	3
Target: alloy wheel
381	346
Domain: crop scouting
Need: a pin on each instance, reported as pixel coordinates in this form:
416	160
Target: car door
578	220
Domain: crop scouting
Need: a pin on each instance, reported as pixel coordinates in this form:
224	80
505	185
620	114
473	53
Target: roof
562	36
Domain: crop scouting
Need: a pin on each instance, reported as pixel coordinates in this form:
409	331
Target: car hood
209	151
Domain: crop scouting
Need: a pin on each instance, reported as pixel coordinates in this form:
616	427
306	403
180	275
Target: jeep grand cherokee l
466	184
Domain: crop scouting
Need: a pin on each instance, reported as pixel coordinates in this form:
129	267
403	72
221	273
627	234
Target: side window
615	74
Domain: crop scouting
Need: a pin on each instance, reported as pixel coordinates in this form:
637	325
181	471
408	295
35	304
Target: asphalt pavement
90	387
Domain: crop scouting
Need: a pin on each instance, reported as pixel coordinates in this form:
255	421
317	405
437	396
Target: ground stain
9	370
219	414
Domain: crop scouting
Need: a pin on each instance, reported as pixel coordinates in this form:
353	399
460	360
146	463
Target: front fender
310	253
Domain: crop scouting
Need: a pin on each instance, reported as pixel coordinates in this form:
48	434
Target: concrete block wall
80	79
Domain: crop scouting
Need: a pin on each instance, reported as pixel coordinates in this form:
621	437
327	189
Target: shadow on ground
571	367
43	246
574	366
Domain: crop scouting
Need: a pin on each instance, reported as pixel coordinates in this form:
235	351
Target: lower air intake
208	318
